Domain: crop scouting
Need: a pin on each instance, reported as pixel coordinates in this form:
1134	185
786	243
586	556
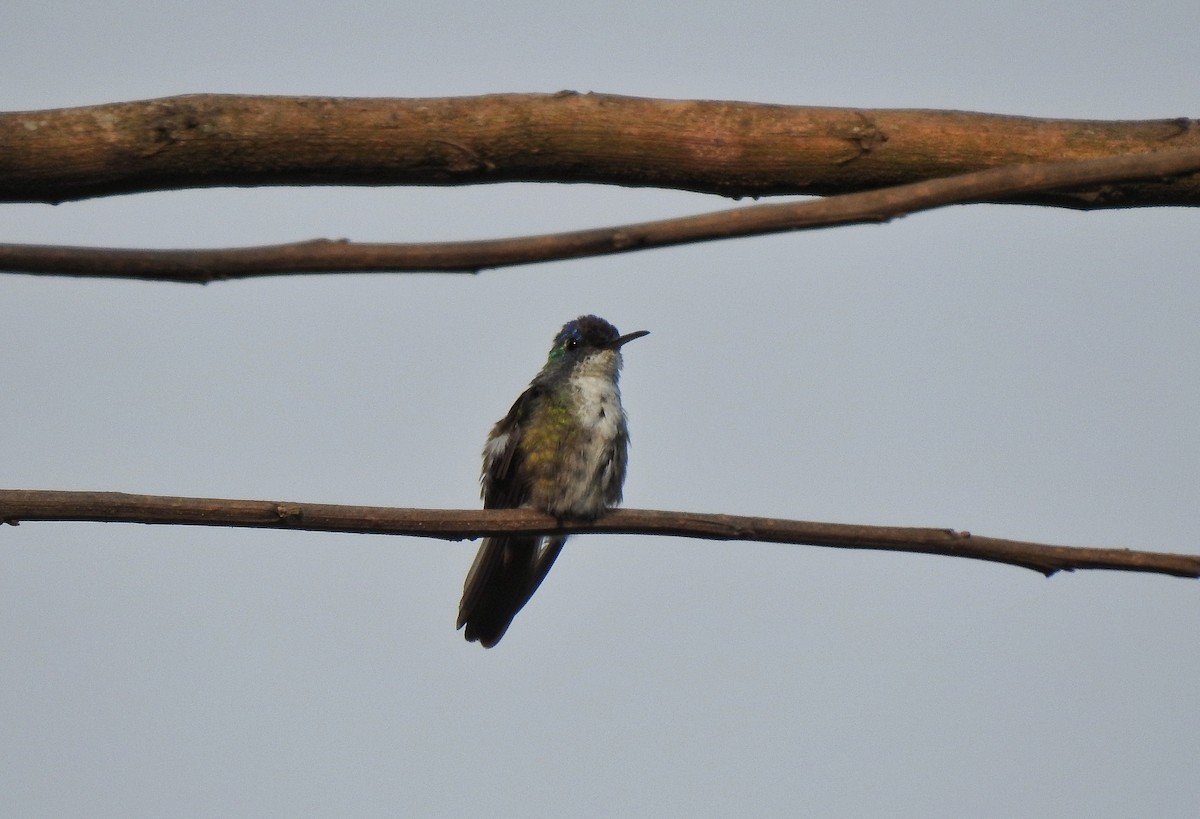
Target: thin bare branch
27	505
728	148
324	256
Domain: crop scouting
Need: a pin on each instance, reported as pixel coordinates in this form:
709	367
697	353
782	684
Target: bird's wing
502	488
499	581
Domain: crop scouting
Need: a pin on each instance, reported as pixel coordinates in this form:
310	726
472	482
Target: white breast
598	406
595	472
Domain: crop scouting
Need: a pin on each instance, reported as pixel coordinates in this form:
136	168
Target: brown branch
24	505
201	266
728	148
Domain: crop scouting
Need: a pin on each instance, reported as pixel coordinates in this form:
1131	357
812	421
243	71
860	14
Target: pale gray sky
1017	372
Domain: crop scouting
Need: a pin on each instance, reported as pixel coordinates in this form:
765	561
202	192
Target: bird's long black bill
628	337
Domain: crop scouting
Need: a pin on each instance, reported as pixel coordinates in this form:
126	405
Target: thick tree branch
24	505
202	266
728	148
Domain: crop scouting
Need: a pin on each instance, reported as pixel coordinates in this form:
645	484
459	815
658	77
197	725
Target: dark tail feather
505	574
545	560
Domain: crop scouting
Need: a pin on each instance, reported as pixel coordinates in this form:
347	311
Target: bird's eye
572	343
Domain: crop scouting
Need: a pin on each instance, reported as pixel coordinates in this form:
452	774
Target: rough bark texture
728	148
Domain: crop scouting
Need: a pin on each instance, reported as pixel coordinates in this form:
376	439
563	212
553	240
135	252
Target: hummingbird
562	450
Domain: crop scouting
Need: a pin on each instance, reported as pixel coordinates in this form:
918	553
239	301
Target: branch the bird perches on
17	505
